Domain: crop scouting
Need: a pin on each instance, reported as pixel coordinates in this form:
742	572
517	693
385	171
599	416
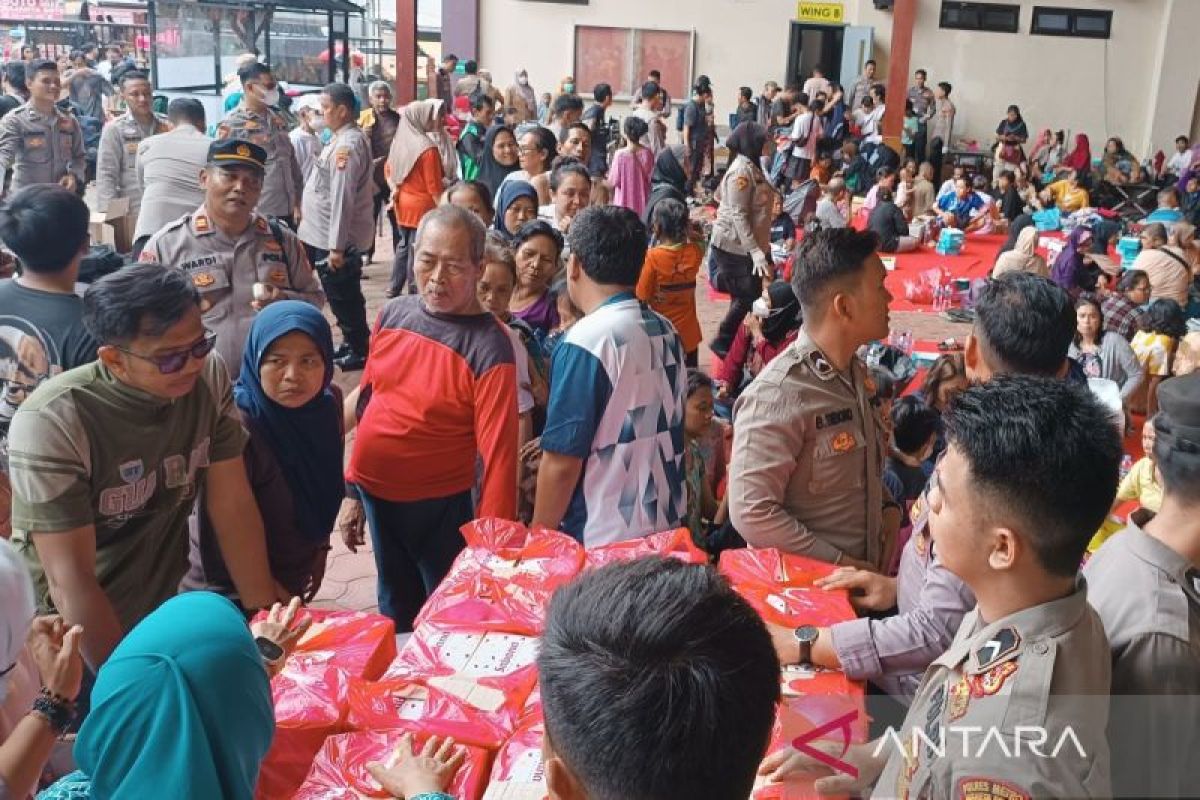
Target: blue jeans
415	543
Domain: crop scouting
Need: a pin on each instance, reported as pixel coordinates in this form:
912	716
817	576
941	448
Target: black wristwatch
806	637
272	653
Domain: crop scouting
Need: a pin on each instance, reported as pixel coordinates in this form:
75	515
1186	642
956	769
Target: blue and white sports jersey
617	398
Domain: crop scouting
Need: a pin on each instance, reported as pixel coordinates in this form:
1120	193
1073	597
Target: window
1087	23
622	57
998	17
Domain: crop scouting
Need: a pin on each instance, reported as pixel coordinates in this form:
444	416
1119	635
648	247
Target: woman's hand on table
414	773
282	627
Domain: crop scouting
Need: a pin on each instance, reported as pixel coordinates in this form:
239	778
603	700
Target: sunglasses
170	363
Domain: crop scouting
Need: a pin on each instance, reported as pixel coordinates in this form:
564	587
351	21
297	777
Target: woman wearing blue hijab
516	204
182	709
292	410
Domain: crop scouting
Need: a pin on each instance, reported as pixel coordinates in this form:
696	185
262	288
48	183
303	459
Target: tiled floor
350	577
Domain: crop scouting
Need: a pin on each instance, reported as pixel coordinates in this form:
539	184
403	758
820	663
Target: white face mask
760	308
317	121
271	97
523	80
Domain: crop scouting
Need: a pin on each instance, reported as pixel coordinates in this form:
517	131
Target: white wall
1121	86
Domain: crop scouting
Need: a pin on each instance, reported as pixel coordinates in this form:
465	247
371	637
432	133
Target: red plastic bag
676	544
339	771
484	717
503	578
310	704
359	643
779	587
519	770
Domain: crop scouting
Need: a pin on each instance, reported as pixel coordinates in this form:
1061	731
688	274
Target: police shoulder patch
989	789
1005	643
201	223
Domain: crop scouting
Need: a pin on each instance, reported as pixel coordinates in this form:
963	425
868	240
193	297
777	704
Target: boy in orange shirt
668	280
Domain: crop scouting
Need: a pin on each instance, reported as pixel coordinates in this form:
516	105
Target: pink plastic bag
676	544
359	643
503	579
519	770
310	705
400	703
339	771
489	661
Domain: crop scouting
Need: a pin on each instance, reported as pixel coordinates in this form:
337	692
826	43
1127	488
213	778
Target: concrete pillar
406	51
904	16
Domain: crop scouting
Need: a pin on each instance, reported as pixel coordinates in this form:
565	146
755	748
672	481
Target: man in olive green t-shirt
106	459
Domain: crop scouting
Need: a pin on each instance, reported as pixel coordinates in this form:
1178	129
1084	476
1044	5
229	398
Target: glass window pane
999	20
1053	21
1092	23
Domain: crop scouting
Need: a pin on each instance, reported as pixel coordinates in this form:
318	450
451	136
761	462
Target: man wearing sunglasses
237	259
106	463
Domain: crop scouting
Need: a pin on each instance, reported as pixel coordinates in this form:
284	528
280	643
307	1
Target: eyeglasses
170	363
528	150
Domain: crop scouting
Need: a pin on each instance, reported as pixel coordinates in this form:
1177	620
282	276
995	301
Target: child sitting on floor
771	326
1143	483
668	280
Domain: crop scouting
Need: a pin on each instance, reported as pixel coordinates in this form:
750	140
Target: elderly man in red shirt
439	389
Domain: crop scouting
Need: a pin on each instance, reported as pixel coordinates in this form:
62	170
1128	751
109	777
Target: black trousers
378	201
343	289
402	263
735	277
921	142
414	544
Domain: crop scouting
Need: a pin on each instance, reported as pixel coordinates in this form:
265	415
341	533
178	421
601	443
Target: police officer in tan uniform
255	120
40	143
1016	708
338	225
1145	584
238	259
740	249
808	446
116	161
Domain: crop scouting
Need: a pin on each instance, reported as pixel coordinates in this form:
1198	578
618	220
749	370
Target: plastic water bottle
1126	465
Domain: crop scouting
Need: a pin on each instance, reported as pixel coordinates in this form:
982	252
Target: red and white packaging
310	705
503	578
339	771
674	544
359	643
481	679
519	771
779	587
400	703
